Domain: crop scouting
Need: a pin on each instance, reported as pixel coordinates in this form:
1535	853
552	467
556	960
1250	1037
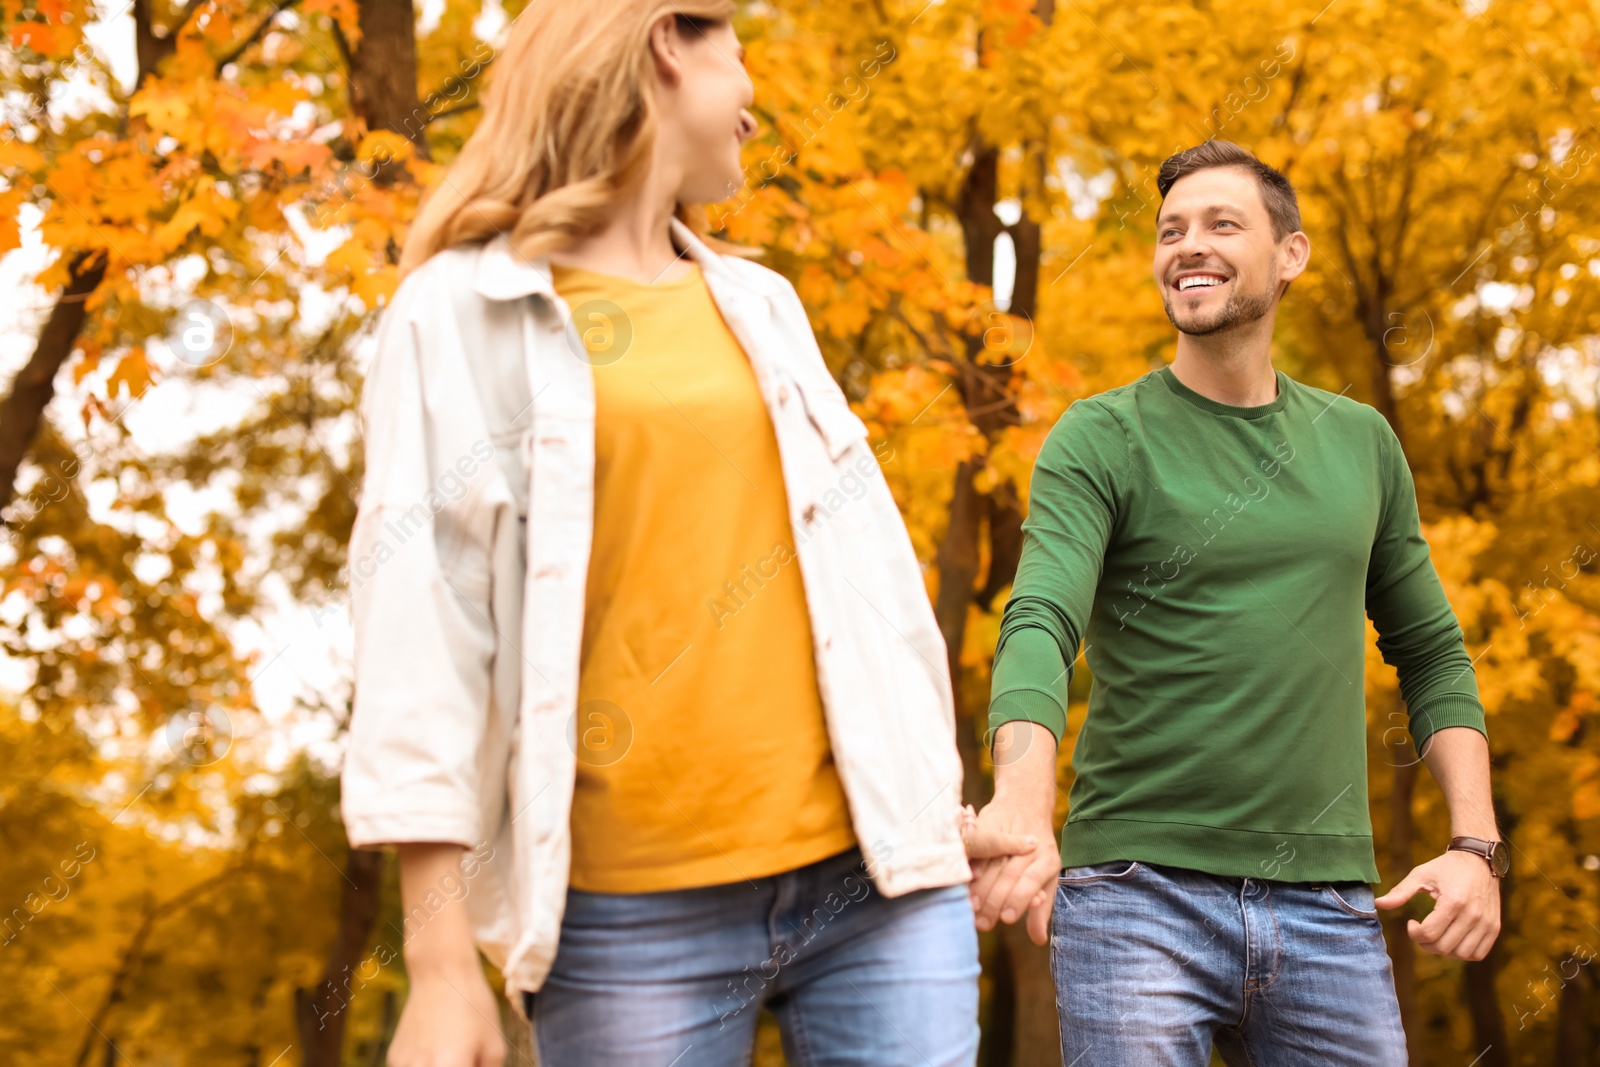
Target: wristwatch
1496	852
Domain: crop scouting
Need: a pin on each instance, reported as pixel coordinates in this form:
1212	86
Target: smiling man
1218	533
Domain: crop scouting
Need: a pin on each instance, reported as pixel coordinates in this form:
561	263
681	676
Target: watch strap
1478	847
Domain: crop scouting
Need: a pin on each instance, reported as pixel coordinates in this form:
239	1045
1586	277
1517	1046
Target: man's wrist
1025	768
1494	852
1473	829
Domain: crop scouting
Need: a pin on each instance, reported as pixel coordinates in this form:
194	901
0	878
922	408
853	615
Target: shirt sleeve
1418	633
1072	511
419	559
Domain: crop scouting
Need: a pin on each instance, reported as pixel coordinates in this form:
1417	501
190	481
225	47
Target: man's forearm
1025	768
1458	759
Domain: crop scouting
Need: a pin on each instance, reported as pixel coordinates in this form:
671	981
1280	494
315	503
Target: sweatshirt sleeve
1418	633
1072	510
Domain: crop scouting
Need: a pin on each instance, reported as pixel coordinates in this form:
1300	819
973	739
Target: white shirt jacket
468	569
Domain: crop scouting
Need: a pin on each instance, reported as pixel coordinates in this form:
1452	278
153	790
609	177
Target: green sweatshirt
1218	562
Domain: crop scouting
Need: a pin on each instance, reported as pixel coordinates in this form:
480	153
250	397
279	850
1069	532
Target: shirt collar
500	273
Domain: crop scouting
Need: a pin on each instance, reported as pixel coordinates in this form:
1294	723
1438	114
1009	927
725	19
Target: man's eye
1224	222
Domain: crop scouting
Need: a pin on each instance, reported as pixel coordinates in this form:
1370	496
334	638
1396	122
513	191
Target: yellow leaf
10	235
384	146
133	371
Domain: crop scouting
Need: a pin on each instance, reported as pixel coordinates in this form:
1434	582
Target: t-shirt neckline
1205	403
616	281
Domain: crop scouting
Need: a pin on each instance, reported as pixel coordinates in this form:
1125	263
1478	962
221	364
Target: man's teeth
1196	281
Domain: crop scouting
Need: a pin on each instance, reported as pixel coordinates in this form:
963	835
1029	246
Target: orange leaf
1586	801
133	371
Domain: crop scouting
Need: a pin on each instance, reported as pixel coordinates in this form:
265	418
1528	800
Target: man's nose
1193	244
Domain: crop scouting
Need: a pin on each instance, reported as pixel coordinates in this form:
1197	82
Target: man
1216	531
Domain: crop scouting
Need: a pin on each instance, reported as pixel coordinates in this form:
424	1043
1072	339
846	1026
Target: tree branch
233	54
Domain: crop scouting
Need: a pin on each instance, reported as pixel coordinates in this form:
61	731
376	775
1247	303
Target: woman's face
705	97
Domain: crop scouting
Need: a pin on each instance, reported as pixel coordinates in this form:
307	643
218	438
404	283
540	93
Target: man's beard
1235	311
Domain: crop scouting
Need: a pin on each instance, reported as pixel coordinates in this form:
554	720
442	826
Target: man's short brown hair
1276	192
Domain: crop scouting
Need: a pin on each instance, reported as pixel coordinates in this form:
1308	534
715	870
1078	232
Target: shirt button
810	513
783	394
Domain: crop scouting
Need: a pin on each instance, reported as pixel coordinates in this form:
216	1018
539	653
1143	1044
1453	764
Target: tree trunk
383	95
320	1014
1036	1028
1573	1046
1376	323
1022	1018
383	75
997	1048
1488	1024
391	1016
35	385
957	562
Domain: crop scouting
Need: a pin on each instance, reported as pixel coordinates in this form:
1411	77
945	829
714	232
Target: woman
637	620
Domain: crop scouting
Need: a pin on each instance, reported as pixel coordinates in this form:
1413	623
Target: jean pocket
1110	870
1354	897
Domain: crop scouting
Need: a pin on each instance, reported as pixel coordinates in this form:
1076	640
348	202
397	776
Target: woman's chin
711	190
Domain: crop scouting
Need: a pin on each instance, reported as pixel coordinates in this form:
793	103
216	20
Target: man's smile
1199	280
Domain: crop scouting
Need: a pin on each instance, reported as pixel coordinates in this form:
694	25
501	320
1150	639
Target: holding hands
1011	843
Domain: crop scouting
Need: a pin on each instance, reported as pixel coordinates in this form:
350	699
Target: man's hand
985	841
1009	885
1018	879
1466	915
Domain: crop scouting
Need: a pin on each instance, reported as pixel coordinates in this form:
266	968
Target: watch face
1500	858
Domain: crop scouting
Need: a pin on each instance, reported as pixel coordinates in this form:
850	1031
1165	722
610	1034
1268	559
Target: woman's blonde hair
569	123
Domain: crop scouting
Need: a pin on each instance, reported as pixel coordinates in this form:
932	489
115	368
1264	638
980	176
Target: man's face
1216	260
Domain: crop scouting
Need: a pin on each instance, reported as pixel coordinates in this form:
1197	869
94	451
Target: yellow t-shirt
703	752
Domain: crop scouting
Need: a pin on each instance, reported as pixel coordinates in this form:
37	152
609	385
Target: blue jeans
1152	963
678	978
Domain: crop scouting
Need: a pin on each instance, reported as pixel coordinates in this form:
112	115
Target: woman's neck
636	240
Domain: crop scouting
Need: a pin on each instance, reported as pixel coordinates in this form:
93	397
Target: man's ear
666	46
1296	250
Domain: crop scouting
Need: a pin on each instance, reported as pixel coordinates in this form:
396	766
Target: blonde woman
649	695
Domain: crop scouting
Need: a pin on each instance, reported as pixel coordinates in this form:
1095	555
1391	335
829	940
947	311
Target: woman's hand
451	1018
